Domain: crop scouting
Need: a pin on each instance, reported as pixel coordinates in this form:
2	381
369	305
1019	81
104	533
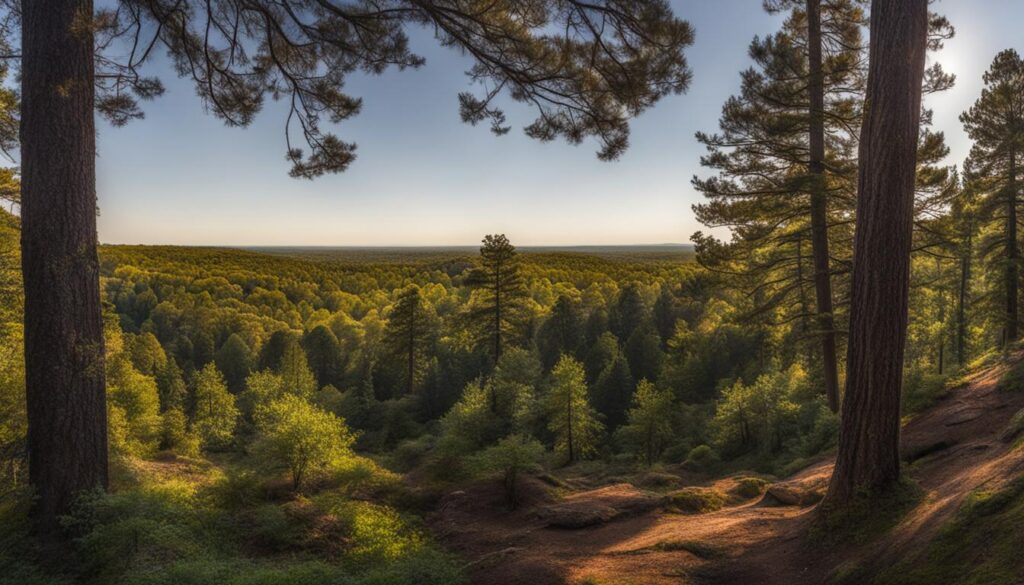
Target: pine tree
649	426
996	125
629	313
786	158
501	291
295	374
613	392
234	360
571	419
561	333
214	412
323	354
408	335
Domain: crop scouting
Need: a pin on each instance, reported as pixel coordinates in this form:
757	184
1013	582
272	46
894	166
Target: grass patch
981	545
694	500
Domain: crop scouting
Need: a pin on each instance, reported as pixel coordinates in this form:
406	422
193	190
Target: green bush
695	500
701	458
749	488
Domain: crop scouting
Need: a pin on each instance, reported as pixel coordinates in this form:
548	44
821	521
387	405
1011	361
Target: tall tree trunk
868	460
1012	253
64	378
819	208
961	307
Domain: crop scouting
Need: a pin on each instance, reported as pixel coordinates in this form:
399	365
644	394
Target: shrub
695	500
749	488
701	458
511	457
299	436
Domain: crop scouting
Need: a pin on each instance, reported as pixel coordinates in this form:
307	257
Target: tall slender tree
571	419
868	459
408	335
786	157
996	124
498	312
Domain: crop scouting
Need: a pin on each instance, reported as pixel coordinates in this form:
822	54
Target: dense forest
827	387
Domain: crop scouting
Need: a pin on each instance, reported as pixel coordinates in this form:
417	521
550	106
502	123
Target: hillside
964	528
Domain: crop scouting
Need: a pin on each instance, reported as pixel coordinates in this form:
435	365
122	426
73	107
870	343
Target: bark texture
868	459
819	207
64	371
1012	254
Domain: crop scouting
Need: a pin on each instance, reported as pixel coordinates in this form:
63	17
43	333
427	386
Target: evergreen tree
214	413
602	354
273	349
996	125
323	354
643	352
786	158
171	384
147	354
561	333
234	360
501	292
571	419
630	311
613	392
294	371
408	335
665	314
649	426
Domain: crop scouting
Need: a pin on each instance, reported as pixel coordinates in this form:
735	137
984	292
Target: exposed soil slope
952	449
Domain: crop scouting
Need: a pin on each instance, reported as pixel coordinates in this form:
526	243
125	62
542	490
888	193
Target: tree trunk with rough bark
819	208
961	308
1012	254
64	371
868	461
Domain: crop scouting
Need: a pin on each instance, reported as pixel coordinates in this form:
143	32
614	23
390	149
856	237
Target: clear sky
424	178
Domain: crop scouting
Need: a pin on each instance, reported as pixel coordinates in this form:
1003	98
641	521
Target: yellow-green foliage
176	435
570	417
136	396
760	415
215	411
649	426
302	438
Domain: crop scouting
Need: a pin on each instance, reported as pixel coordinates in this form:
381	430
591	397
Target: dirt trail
954	448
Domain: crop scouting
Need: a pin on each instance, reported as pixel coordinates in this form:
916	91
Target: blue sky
424	178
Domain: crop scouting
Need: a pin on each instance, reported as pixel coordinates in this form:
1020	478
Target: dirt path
953	448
